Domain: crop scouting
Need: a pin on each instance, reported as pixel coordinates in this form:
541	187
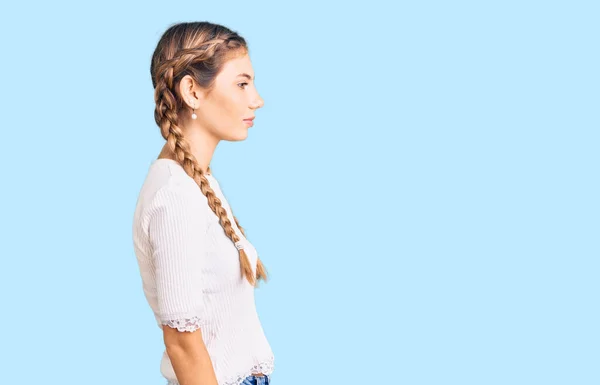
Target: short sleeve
176	229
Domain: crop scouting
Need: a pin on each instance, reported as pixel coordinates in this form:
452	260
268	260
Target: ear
190	91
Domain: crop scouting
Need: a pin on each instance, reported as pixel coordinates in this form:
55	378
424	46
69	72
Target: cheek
225	105
226	110
233	108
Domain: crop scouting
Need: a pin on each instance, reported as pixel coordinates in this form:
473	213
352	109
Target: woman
198	269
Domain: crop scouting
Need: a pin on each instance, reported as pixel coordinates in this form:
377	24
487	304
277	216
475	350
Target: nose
258	103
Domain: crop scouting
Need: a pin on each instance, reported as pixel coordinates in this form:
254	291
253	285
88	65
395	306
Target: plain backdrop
421	184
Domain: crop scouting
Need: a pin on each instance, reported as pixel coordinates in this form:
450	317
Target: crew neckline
177	163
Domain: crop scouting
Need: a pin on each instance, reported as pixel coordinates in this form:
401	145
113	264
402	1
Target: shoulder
176	189
168	179
168	190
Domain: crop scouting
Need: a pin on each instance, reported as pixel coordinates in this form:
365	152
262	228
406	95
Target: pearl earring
194	116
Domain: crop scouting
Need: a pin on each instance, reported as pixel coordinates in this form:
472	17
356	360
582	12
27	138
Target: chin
240	136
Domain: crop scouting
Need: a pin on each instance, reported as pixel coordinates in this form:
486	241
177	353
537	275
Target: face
233	99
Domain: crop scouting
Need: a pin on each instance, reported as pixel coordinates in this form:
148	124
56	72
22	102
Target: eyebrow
247	76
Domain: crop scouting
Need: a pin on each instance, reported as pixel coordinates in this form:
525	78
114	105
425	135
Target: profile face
233	99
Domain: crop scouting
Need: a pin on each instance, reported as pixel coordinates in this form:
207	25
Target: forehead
237	65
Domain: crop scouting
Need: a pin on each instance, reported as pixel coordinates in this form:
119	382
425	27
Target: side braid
261	272
165	115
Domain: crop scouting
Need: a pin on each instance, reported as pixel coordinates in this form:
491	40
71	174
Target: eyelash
242	83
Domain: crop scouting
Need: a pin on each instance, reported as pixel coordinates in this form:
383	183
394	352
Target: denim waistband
250	380
257	380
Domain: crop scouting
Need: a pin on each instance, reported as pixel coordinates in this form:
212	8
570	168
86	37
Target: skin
220	116
220	113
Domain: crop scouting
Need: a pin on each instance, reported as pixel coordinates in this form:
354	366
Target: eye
241	86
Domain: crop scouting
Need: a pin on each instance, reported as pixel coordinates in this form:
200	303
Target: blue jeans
256	380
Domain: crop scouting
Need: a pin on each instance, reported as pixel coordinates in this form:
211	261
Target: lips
249	121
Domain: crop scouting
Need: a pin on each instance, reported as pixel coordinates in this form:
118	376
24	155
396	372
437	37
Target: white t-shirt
191	274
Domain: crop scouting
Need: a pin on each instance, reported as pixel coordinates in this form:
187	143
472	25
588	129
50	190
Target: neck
202	147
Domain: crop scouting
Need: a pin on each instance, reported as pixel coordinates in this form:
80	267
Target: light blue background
422	185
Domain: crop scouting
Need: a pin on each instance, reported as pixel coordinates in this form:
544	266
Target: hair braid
165	115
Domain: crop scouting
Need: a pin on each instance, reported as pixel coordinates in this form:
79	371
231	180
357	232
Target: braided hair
198	49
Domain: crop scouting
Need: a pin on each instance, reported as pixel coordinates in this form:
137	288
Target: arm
189	357
177	224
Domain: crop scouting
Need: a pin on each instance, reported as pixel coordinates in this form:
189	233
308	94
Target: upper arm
176	230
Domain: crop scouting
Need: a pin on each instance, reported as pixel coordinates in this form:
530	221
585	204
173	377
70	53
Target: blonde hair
198	49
